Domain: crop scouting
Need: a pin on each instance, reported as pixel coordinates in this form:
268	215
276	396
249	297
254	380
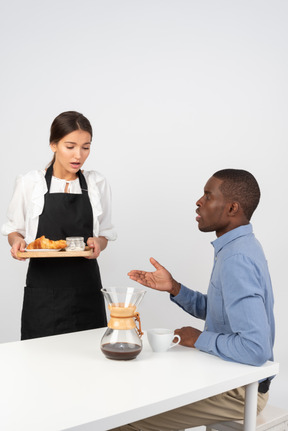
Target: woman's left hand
97	244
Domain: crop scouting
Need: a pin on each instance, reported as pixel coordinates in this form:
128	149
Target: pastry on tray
45	243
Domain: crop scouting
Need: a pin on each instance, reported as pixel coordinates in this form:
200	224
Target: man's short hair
240	186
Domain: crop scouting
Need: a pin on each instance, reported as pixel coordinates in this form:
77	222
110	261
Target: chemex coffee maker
122	339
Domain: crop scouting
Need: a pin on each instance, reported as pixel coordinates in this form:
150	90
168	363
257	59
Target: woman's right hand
17	243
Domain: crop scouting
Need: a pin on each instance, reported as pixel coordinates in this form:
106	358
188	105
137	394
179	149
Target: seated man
238	306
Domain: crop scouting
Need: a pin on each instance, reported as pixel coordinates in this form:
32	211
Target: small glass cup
75	243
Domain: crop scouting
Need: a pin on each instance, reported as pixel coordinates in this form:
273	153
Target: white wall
175	90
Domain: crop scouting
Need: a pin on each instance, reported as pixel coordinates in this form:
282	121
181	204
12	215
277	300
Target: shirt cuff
109	234
206	342
180	295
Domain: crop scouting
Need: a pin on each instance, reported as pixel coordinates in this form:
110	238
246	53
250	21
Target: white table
62	382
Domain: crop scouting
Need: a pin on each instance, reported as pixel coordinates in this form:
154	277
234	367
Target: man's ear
234	209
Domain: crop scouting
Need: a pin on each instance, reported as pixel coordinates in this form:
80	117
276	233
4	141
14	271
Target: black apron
63	294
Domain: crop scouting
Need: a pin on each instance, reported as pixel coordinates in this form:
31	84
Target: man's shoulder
246	245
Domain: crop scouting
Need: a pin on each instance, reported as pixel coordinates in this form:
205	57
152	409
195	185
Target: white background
175	90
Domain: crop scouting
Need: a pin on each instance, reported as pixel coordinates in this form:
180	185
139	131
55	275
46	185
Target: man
238	307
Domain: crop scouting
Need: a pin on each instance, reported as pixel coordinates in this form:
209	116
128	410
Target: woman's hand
97	244
17	243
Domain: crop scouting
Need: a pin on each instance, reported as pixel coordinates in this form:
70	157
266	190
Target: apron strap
82	181
48	176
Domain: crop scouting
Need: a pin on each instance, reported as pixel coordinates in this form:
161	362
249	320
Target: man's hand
188	335
160	279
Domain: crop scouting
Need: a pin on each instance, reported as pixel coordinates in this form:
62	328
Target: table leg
250	407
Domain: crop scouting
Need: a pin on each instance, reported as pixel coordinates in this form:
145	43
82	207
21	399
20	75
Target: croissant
43	242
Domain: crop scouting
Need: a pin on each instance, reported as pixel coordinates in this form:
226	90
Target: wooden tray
62	253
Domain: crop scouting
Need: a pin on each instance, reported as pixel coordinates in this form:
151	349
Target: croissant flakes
43	242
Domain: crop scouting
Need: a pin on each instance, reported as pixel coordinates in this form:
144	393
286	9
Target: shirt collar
220	242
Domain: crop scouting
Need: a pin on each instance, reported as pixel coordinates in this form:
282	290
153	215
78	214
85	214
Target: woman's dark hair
241	186
65	123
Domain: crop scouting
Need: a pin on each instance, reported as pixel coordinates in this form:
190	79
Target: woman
62	295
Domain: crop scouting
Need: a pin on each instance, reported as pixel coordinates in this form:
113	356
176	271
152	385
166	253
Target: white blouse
27	203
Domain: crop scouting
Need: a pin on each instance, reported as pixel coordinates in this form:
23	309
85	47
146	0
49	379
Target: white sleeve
100	198
17	210
26	205
106	227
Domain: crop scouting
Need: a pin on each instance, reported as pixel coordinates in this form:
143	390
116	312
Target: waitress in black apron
64	294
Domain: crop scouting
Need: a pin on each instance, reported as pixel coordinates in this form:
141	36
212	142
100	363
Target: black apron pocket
37	313
89	308
64	316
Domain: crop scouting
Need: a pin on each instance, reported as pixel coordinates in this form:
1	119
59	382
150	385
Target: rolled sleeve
16	211
106	227
101	200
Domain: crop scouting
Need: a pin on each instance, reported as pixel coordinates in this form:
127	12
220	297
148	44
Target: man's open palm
160	279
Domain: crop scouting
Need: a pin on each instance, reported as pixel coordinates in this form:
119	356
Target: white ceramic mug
161	339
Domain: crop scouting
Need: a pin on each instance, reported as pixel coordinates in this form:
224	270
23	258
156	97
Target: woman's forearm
102	242
13	236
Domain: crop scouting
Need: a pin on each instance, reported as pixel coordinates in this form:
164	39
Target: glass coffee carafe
122	339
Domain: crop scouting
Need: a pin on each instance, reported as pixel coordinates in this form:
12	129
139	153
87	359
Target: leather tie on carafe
124	318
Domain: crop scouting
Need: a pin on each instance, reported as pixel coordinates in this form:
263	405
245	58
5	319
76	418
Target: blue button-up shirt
238	307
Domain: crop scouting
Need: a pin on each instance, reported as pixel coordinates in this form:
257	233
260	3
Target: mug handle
177	342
